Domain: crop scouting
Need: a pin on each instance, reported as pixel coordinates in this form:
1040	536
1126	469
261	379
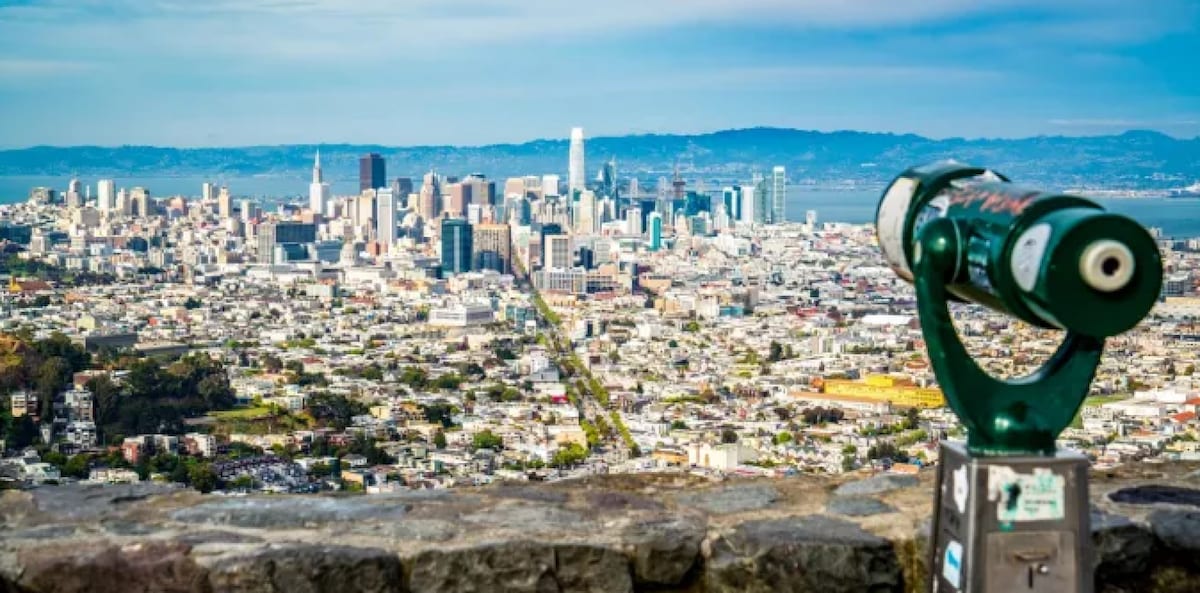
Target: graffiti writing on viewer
988	201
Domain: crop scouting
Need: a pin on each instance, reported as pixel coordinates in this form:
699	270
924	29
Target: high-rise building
656	231
608	179
372	173
224	204
431	197
558	254
140	200
456	246
514	186
106	195
458	197
249	212
586	218
385	226
778	194
549	186
633	189
208	192
483	190
575	171
74	196
633	221
272	234
402	186
318	190
756	204
365	210
492	247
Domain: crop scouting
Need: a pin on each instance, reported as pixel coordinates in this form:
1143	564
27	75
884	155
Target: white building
461	315
575	173
385	202
318	190
106	195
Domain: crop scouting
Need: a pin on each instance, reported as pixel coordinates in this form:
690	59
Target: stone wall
606	534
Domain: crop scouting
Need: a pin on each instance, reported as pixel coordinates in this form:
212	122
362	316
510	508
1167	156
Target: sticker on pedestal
961	489
952	564
1026	497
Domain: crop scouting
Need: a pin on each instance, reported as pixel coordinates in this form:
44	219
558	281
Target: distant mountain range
1135	159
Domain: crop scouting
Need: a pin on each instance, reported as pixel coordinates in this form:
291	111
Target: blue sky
401	72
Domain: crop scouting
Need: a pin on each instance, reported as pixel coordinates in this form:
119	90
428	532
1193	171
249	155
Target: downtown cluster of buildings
698	328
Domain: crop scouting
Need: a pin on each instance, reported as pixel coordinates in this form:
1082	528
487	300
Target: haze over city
232	72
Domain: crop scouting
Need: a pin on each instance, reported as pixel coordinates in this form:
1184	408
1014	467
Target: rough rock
801	554
308	569
733	499
667	533
152	567
876	485
857	506
664	552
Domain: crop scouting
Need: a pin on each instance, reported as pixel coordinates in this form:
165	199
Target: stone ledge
604	534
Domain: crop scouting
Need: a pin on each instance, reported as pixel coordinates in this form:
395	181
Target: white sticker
961	489
1026	497
952	564
1026	258
893	212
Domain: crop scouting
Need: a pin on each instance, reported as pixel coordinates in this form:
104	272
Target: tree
847	463
439	440
52	377
912	418
203	478
728	435
691	326
571	454
243	482
486	439
776	352
679	425
783	438
439	413
76	467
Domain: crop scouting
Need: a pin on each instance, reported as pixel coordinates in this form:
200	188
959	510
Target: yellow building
889	389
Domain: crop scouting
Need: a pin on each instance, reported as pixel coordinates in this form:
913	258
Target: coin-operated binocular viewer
1010	510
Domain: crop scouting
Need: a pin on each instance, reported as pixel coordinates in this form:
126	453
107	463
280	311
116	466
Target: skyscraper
656	229
430	206
558	255
385	204
74	196
318	190
458	197
371	172
271	234
456	246
402	186
778	193
608	179
549	186
208	192
586	218
106	194
224	204
575	171
492	247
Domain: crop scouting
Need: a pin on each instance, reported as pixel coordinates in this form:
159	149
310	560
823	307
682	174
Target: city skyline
279	75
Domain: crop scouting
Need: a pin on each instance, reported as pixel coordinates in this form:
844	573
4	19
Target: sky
469	72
